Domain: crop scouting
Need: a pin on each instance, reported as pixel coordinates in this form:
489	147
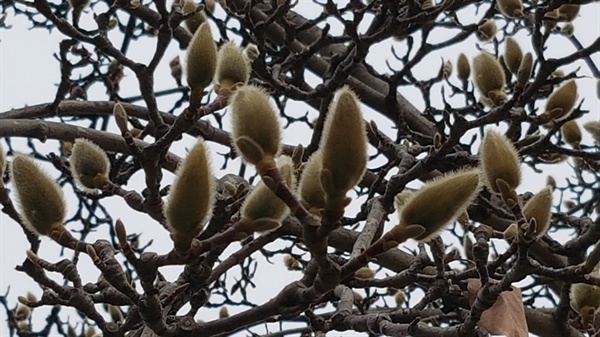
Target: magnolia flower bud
436	204
176	69
191	197
194	22
568	12
22	312
364	273
489	78
500	163
568	29
464	69
538	208
511	231
223	312
232	67
400	298
40	199
561	102
525	68
256	131
263	210
290	262
89	165
310	189
201	60
550	181
585	300
447	69
513	55
571	133
120	117
343	145
251	51
593	128
487	30
510	8
115	313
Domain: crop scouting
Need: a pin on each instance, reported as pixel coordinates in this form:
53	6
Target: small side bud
489	79
22	312
593	258
513	55
568	12
223	312
487	30
571	133
550	181
120	117
400	298
191	197
233	68
41	202
585	300
568	29
561	102
510	8
256	131
463	67
290	262
538	208
198	17
115	313
364	273
500	162
447	69
89	165
251	51
451	194
201	61
176	69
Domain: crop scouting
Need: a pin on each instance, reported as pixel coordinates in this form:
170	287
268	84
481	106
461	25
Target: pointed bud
201	60
198	18
510	8
500	162
256	131
593	128
40	199
343	145
568	12
191	197
263	210
561	101
120	117
251	51
538	208
223	312
89	165
487	30
513	55
489	78
233	68
451	195
571	133
310	189
364	273
525	69
511	231
115	313
464	69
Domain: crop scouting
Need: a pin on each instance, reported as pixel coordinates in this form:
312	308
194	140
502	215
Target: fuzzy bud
451	195
343	145
550	181
447	69
263	210
191	197
41	201
487	30
585	299
223	312
22	312
593	128
464	69
251	51
364	273
232	67
500	163
489	79
510	8
115	313
525	68
310	189
568	29
561	102
201	60
399	298
89	165
511	231
256	131
290	262
538	208
199	17
176	69
120	117
571	133
568	12
513	55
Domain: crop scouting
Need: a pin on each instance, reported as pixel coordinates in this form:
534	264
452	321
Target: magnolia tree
321	138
